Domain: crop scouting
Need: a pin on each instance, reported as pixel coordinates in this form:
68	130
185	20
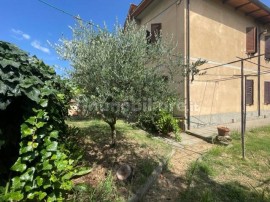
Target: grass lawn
222	174
134	147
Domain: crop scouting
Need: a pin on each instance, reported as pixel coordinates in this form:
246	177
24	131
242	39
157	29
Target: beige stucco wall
170	13
218	34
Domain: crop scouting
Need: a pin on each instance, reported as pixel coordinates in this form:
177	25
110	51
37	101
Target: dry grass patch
134	147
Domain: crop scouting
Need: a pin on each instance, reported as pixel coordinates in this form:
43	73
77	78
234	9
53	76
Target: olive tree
121	72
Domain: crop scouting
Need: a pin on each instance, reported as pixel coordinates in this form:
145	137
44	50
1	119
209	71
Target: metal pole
259	71
245	106
188	62
242	110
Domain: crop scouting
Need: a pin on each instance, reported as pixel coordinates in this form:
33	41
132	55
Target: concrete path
207	133
186	140
172	181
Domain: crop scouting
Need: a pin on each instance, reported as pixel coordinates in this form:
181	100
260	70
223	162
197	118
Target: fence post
243	119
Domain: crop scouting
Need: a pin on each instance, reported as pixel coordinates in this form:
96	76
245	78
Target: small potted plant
223	131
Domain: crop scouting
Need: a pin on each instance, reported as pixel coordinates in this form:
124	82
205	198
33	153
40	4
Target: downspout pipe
188	62
259	70
259	35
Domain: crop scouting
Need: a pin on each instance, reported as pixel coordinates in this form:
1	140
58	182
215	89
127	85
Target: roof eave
261	5
143	5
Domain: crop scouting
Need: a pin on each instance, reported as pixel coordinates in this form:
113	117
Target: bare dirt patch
173	180
134	147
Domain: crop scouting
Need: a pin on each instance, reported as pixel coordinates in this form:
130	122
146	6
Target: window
267	47
148	36
155	31
249	92
267	92
251	40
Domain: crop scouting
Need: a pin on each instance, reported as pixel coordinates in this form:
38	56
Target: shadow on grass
202	188
105	159
168	187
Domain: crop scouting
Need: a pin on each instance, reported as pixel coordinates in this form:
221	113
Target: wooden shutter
155	31
267	47
249	92
251	40
266	92
148	36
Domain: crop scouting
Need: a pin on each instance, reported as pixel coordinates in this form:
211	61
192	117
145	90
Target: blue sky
30	24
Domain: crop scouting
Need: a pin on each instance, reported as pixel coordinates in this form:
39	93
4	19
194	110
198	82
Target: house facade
222	32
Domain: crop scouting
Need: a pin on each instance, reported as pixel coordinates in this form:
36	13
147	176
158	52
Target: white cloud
21	34
36	44
26	36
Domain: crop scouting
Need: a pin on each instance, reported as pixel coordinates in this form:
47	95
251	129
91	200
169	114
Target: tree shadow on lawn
202	188
105	159
167	188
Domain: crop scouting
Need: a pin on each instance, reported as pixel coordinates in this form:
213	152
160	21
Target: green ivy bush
159	121
34	165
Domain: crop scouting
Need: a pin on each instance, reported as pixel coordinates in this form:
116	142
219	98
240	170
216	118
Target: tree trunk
111	123
113	134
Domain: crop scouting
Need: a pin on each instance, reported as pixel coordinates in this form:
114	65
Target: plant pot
223	131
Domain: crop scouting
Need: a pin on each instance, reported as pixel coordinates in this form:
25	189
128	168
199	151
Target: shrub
33	165
166	123
159	121
147	121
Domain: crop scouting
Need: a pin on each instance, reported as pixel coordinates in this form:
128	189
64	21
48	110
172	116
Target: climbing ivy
33	165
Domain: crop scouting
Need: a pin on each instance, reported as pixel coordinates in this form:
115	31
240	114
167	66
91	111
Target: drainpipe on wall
260	33
259	70
188	60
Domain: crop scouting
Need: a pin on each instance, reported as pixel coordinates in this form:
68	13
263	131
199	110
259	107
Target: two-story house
222	32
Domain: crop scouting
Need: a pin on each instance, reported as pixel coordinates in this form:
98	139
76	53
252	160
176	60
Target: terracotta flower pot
223	131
